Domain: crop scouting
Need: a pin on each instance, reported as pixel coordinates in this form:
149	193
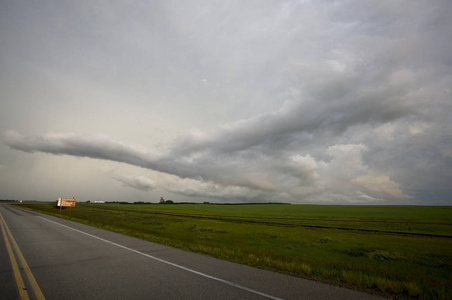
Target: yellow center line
19	282
20	285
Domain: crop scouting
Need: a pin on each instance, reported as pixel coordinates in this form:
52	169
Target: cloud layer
307	102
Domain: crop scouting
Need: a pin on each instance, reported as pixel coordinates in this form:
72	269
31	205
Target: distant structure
162	200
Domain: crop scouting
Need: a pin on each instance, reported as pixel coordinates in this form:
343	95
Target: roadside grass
394	265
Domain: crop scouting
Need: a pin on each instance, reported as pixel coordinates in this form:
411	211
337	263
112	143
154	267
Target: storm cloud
304	102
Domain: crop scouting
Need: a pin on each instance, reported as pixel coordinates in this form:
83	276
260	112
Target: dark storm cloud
93	146
326	103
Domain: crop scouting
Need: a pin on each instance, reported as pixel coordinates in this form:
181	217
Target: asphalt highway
59	259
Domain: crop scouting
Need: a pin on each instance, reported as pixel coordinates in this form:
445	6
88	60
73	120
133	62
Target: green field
396	251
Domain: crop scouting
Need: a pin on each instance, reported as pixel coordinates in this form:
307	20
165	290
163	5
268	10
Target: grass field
396	251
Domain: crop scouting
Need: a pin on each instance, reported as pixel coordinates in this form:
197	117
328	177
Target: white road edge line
170	263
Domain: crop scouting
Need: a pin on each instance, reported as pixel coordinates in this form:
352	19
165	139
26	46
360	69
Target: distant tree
169	202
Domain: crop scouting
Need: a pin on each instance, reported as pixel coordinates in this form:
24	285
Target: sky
305	102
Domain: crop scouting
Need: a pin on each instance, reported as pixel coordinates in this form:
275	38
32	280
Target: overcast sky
322	102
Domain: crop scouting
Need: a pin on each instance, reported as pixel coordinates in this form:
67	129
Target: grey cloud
295	100
93	146
295	176
246	169
140	183
327	115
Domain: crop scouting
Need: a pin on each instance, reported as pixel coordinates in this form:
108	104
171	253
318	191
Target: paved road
68	260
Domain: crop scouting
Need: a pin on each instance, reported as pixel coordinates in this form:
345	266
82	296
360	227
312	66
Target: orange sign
66	202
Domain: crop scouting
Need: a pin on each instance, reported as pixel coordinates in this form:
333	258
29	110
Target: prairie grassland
406	255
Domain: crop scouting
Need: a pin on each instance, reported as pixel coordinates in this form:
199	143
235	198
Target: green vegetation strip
353	224
275	237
